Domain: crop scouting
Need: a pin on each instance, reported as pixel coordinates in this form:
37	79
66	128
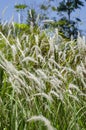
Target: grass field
42	81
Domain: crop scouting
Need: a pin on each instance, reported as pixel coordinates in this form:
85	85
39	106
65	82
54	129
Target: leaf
54	8
79	20
44	7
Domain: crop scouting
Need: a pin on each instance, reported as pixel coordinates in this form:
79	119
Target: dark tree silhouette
67	26
20	8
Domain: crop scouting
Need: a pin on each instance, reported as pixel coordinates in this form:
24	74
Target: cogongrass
42	82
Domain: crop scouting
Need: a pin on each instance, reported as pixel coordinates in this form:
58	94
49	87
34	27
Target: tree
20	8
64	9
31	17
44	9
67	26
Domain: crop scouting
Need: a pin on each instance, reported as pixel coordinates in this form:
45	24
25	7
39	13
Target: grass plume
43	79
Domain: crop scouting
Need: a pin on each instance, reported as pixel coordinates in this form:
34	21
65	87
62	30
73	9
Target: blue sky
7	10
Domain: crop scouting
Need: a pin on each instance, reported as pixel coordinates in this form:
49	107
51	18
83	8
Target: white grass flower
41	73
29	59
73	86
43	119
46	96
7	41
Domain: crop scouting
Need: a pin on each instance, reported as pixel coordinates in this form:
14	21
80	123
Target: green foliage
43	7
21	27
19	7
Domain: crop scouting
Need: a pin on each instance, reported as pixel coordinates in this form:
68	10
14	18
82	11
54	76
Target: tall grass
42	81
